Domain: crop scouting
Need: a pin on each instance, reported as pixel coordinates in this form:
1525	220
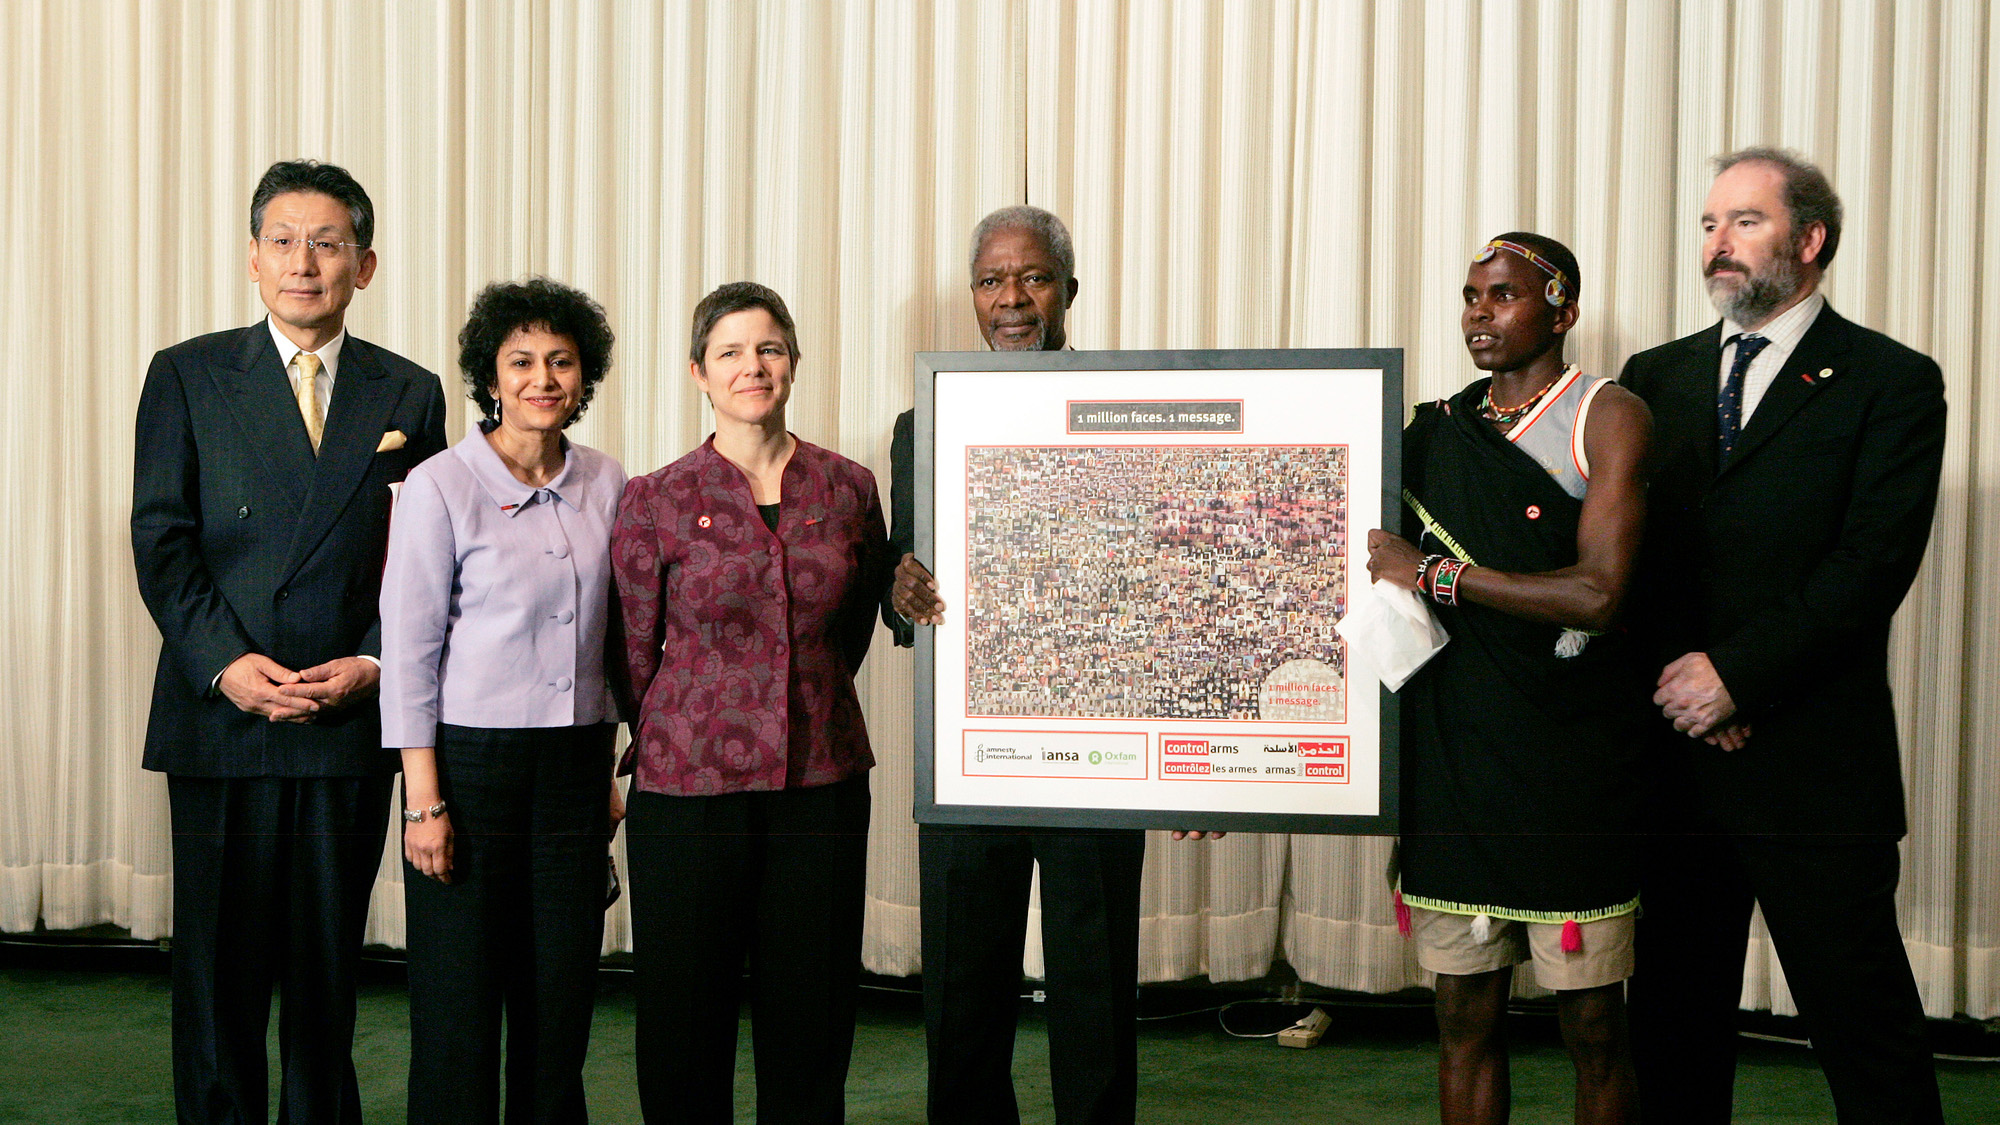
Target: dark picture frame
1090	421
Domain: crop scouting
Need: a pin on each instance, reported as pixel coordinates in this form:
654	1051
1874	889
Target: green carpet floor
90	1045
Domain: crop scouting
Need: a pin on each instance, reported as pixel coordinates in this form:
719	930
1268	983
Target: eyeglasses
313	246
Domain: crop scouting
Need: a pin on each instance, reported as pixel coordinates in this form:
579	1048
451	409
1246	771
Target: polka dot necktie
309	397
1729	405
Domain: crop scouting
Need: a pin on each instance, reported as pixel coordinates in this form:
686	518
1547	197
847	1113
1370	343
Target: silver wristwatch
418	816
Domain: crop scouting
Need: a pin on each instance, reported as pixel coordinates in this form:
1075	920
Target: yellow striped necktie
309	397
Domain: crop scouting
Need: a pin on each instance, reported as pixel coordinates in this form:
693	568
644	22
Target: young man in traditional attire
1526	504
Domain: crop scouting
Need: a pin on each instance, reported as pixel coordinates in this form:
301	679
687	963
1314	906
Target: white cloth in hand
1395	632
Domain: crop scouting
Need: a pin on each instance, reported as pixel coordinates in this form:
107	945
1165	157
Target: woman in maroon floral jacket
748	573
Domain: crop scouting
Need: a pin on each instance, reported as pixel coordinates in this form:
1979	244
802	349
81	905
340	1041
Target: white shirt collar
329	352
1787	328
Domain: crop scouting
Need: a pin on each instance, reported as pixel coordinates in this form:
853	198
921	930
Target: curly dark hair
538	302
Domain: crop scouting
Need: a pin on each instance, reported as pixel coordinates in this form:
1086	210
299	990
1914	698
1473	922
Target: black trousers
518	929
975	919
776	878
271	884
1830	906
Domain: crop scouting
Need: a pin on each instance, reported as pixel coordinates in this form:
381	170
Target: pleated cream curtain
1237	173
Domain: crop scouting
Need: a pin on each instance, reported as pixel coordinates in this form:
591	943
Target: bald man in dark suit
976	878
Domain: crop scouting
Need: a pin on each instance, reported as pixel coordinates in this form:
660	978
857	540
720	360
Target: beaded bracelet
1424	571
1444	585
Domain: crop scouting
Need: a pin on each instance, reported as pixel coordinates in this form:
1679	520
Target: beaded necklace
1511	414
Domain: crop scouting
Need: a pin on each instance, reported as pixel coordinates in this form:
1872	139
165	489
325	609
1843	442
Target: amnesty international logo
1055	754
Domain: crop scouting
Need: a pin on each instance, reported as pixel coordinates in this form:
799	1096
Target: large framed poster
1143	556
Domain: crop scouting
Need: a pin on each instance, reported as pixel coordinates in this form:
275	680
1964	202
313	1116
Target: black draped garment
1520	766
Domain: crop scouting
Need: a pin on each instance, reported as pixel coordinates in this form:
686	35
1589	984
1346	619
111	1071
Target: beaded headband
1557	291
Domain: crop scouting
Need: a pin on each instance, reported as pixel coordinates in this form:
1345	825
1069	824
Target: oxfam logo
1095	757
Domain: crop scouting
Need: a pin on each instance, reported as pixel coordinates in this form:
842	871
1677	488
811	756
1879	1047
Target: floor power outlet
1307	1031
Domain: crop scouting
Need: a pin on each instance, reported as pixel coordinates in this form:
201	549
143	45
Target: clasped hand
262	686
1693	697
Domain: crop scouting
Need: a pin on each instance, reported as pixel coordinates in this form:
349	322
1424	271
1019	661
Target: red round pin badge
703	521
1534	511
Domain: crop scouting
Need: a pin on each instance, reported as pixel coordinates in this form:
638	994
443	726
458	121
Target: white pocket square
393	439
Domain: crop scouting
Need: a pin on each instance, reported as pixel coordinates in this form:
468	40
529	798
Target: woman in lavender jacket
495	606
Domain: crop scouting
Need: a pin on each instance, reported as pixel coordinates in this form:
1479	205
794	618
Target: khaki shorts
1445	945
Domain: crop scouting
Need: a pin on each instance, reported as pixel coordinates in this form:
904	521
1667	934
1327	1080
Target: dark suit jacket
245	542
1786	565
902	515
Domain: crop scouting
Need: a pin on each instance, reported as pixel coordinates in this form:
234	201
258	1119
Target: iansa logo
1184	747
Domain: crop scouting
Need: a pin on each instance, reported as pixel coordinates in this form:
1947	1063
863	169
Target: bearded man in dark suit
260	513
1799	461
